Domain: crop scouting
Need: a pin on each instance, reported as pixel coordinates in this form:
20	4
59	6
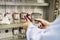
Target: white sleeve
52	34
29	29
28	34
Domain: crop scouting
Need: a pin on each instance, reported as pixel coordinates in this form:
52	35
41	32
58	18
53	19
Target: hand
44	23
25	25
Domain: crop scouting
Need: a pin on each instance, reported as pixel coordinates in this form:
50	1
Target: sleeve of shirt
28	35
29	29
52	33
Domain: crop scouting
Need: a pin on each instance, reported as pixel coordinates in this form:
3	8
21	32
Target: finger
44	22
27	20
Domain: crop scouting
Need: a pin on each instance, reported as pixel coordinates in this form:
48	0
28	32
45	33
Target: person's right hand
44	23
